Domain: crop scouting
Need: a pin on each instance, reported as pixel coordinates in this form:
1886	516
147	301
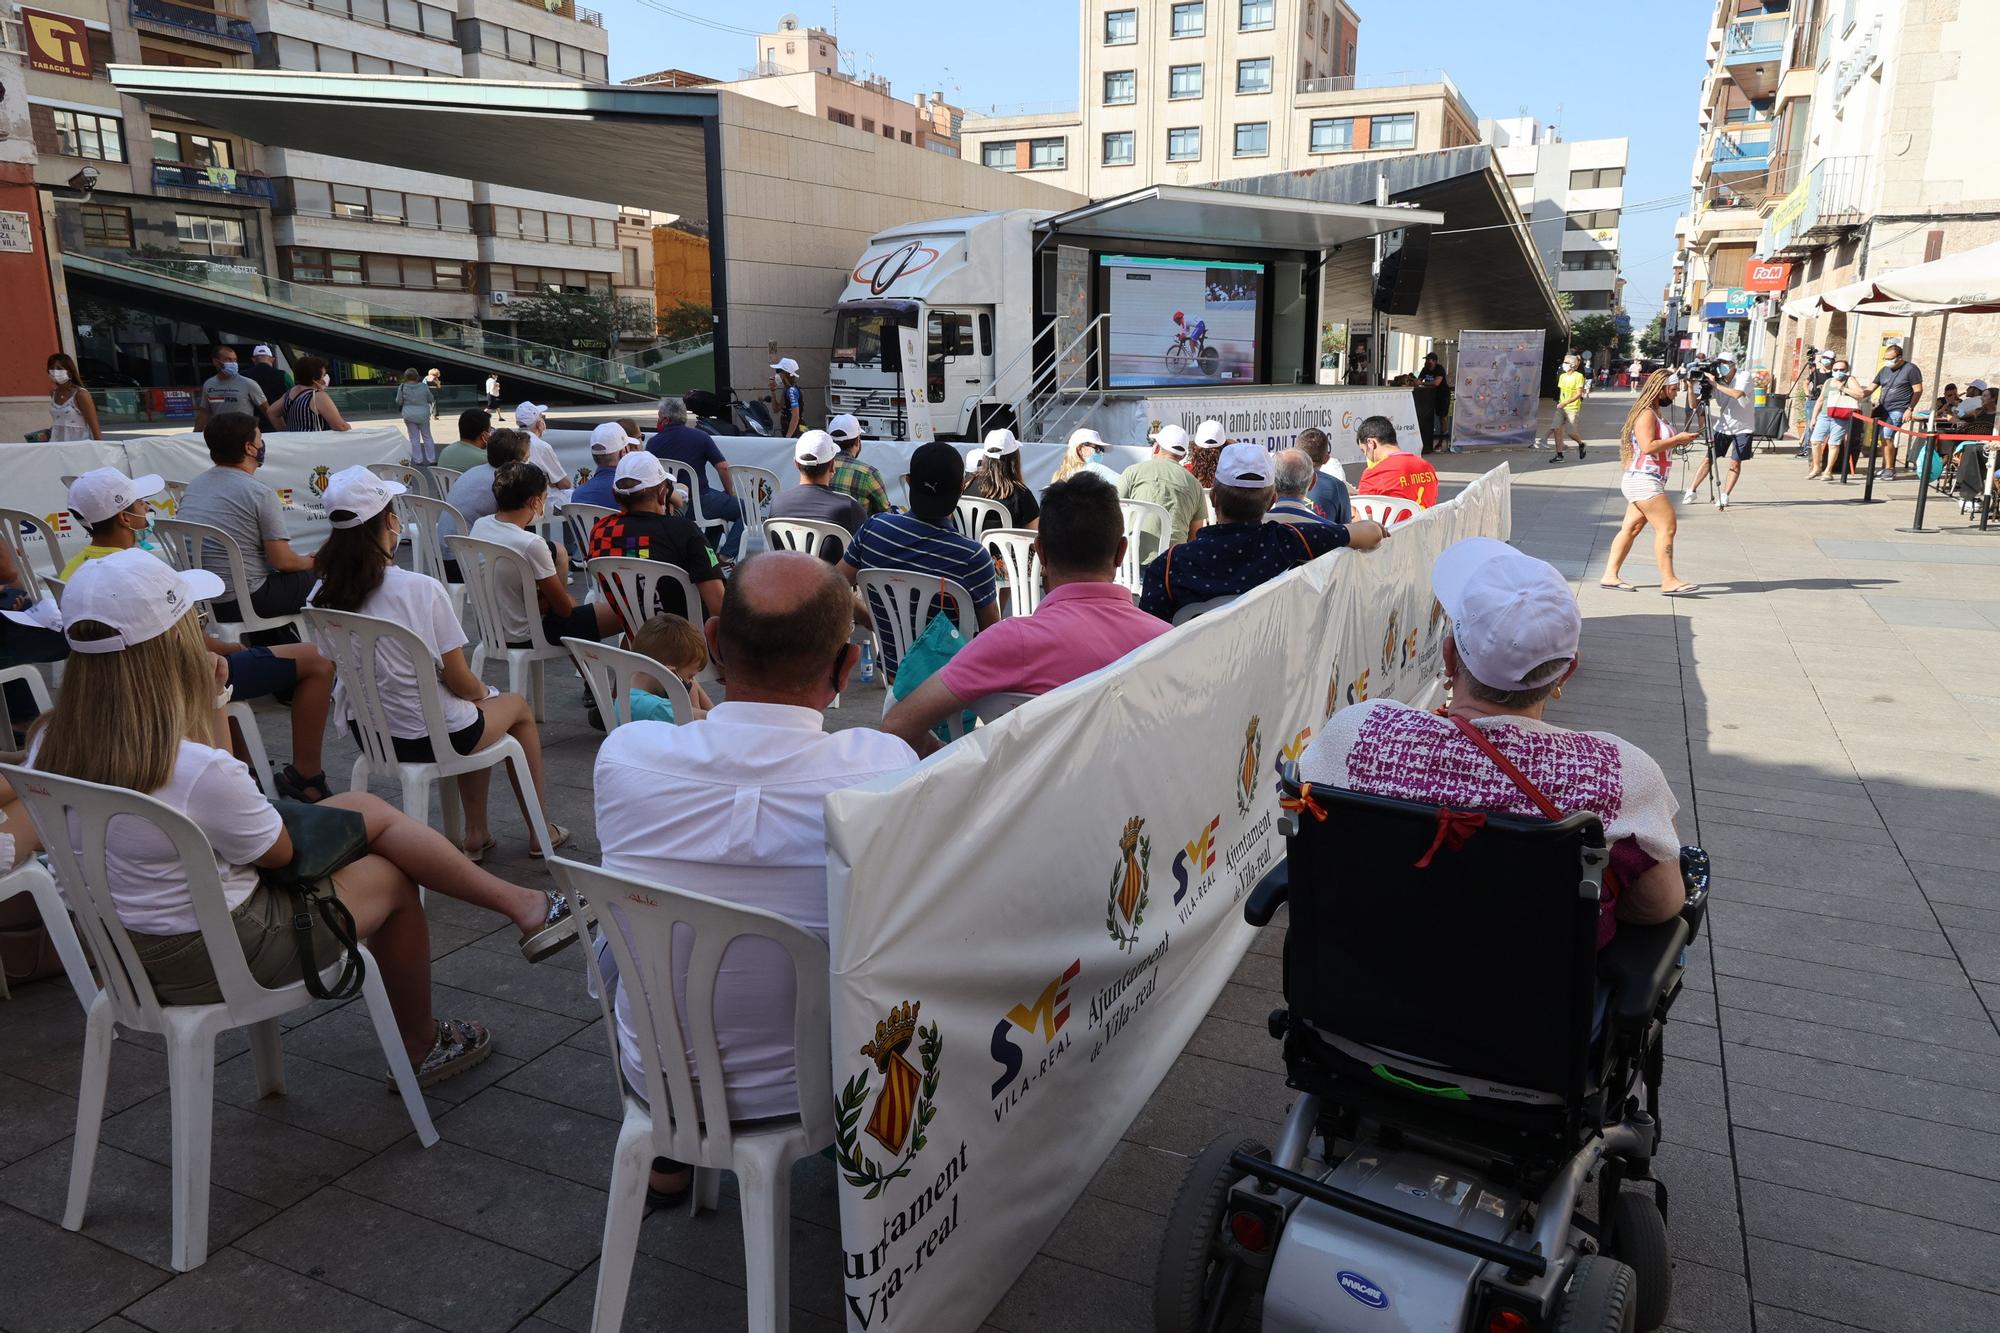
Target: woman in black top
999	478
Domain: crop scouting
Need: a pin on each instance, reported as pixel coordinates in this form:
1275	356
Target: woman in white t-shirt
358	572
1646	449
137	710
521	490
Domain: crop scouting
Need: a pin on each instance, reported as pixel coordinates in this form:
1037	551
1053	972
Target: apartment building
1190	92
1573	195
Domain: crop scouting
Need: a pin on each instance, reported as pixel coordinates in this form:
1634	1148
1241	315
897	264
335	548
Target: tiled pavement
1827	715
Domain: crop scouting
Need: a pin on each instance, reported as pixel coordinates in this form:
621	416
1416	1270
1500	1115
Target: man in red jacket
1391	471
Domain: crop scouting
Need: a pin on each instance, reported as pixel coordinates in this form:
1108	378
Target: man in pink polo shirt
1084	621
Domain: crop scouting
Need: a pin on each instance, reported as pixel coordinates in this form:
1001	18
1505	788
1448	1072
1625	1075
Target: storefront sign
1771	276
57	44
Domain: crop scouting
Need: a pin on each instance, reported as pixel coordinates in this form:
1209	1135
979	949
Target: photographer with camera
1730	388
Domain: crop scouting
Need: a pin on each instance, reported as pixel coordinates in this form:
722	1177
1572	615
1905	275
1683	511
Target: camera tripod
1694	417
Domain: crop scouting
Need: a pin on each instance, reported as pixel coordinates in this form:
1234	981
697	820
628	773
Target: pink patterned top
1655	464
1391	749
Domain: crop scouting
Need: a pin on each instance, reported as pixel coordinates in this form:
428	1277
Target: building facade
1190	92
1573	196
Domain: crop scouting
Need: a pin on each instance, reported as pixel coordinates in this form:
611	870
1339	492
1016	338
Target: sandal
1685	590
477	854
1620	586
558	931
558	839
459	1046
296	786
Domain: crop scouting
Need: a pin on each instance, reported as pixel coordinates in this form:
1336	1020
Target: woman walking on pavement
1645	449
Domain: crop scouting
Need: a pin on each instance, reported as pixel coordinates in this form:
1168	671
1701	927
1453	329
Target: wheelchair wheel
1599	1298
1638	1239
1194	1275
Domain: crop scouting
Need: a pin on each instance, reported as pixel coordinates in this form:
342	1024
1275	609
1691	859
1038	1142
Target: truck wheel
1194	1273
1599	1298
1639	1240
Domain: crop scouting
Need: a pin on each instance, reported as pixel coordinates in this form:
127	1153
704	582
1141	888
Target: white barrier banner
296	467
1004	1004
1274	420
1498	397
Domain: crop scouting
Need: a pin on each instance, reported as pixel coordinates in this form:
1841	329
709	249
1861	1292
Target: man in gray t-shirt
228	390
229	496
814	496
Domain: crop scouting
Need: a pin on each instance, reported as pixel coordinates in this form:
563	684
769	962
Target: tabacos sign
1767	276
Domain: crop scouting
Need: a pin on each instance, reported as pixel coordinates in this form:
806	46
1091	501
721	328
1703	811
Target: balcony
206	21
1742	148
1753	52
567	9
220	180
1827	203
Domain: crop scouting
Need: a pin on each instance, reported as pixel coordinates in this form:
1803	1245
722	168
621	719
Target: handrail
1030	409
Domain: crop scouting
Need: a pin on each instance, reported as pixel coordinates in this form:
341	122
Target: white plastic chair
579	518
1385	509
404	474
31	879
488	568
244	716
1148	528
1193	609
38	690
127	999
754	489
682	475
184	542
986	709
901	601
11	523
1020	567
974	516
806	534
632	584
423	516
354	644
684	1115
608	673
54	587
442	478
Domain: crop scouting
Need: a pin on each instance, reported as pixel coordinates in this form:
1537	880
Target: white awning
1219	217
1964	283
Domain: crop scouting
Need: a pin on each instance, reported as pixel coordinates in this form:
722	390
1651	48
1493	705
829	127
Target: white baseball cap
1509	612
844	427
1085	435
1976	384
1210	433
637	472
815	448
1172	440
103	492
358	493
261	349
786	364
999	443
1245	465
1826	357
973	458
527	414
135	593
609	439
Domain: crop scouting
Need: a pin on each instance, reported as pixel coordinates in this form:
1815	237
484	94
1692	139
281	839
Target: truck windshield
867	338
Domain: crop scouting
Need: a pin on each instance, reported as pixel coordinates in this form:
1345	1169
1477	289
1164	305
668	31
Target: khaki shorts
181	973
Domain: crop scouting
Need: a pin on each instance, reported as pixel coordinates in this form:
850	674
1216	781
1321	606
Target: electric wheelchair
1467	1062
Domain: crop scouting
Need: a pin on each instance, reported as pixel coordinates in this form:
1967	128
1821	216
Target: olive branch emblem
862	1171
1131	885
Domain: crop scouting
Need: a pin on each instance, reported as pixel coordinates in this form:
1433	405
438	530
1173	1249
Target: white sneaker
1687	498
1722	500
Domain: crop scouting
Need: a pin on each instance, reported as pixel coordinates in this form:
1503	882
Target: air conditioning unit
500	298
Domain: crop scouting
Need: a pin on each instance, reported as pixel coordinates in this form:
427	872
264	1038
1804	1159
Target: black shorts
417	749
1737	446
279	595
579	623
257	672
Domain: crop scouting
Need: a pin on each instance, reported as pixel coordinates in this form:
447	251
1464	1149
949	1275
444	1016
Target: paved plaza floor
1827	713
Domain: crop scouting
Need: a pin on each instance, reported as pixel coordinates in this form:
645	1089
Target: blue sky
1594	75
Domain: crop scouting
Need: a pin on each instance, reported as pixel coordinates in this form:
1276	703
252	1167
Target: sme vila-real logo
1247	765
1044	1018
1125	904
1389	640
904	1107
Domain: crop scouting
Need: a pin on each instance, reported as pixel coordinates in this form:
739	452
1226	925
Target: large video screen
1182	321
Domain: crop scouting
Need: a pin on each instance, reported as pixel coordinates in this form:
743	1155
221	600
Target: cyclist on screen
1192	335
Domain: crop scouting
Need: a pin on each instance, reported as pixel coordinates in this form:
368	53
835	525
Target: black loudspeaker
1400	283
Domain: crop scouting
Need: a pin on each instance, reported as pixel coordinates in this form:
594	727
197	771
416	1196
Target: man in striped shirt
923	542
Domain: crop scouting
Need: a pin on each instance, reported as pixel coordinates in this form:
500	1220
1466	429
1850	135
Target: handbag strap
1533	793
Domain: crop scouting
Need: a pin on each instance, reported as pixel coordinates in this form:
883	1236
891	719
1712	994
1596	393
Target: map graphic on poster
1182	321
1499	387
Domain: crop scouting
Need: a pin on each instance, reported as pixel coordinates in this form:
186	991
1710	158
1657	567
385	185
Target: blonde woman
1085	452
1645	449
138	711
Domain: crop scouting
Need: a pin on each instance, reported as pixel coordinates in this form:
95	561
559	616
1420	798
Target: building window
194	150
106	226
1256	15
1604	219
1253	76
1393	131
203	234
629	257
1048	154
999	156
531	224
1121	27
1525	181
1183	81
1184	144
889	133
1600	179
1348	67
867	125
1254	139
1333	136
1118	149
1121	87
101	138
906	136
840	118
1587	261
527	279
1188	19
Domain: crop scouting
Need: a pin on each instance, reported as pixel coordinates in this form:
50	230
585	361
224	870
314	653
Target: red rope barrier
1906	430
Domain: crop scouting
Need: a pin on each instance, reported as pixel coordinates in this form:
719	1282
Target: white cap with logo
1085	435
844	427
136	594
358	493
637	472
786	365
1172	440
1244	465
999	443
609	439
103	492
815	448
1510	613
1210	433
261	349
527	414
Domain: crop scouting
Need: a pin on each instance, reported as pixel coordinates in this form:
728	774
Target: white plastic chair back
987	708
442	478
974	516
608	673
579	518
901	601
185	542
175	490
54	587
30	676
403	474
811	535
37	883
754	489
632	583
1020	565
12	521
492	571
680	474
423	516
1193	609
1385	509
127	997
1148	528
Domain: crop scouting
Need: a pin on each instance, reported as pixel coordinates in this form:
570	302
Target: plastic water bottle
867	664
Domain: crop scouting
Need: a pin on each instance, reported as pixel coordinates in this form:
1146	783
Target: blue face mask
229	367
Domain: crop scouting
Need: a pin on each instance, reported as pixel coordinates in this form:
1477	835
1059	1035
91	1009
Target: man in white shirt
1732	411
732	806
534	419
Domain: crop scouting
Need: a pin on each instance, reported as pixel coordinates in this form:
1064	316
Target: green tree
687	319
1653	342
1596	334
595	321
